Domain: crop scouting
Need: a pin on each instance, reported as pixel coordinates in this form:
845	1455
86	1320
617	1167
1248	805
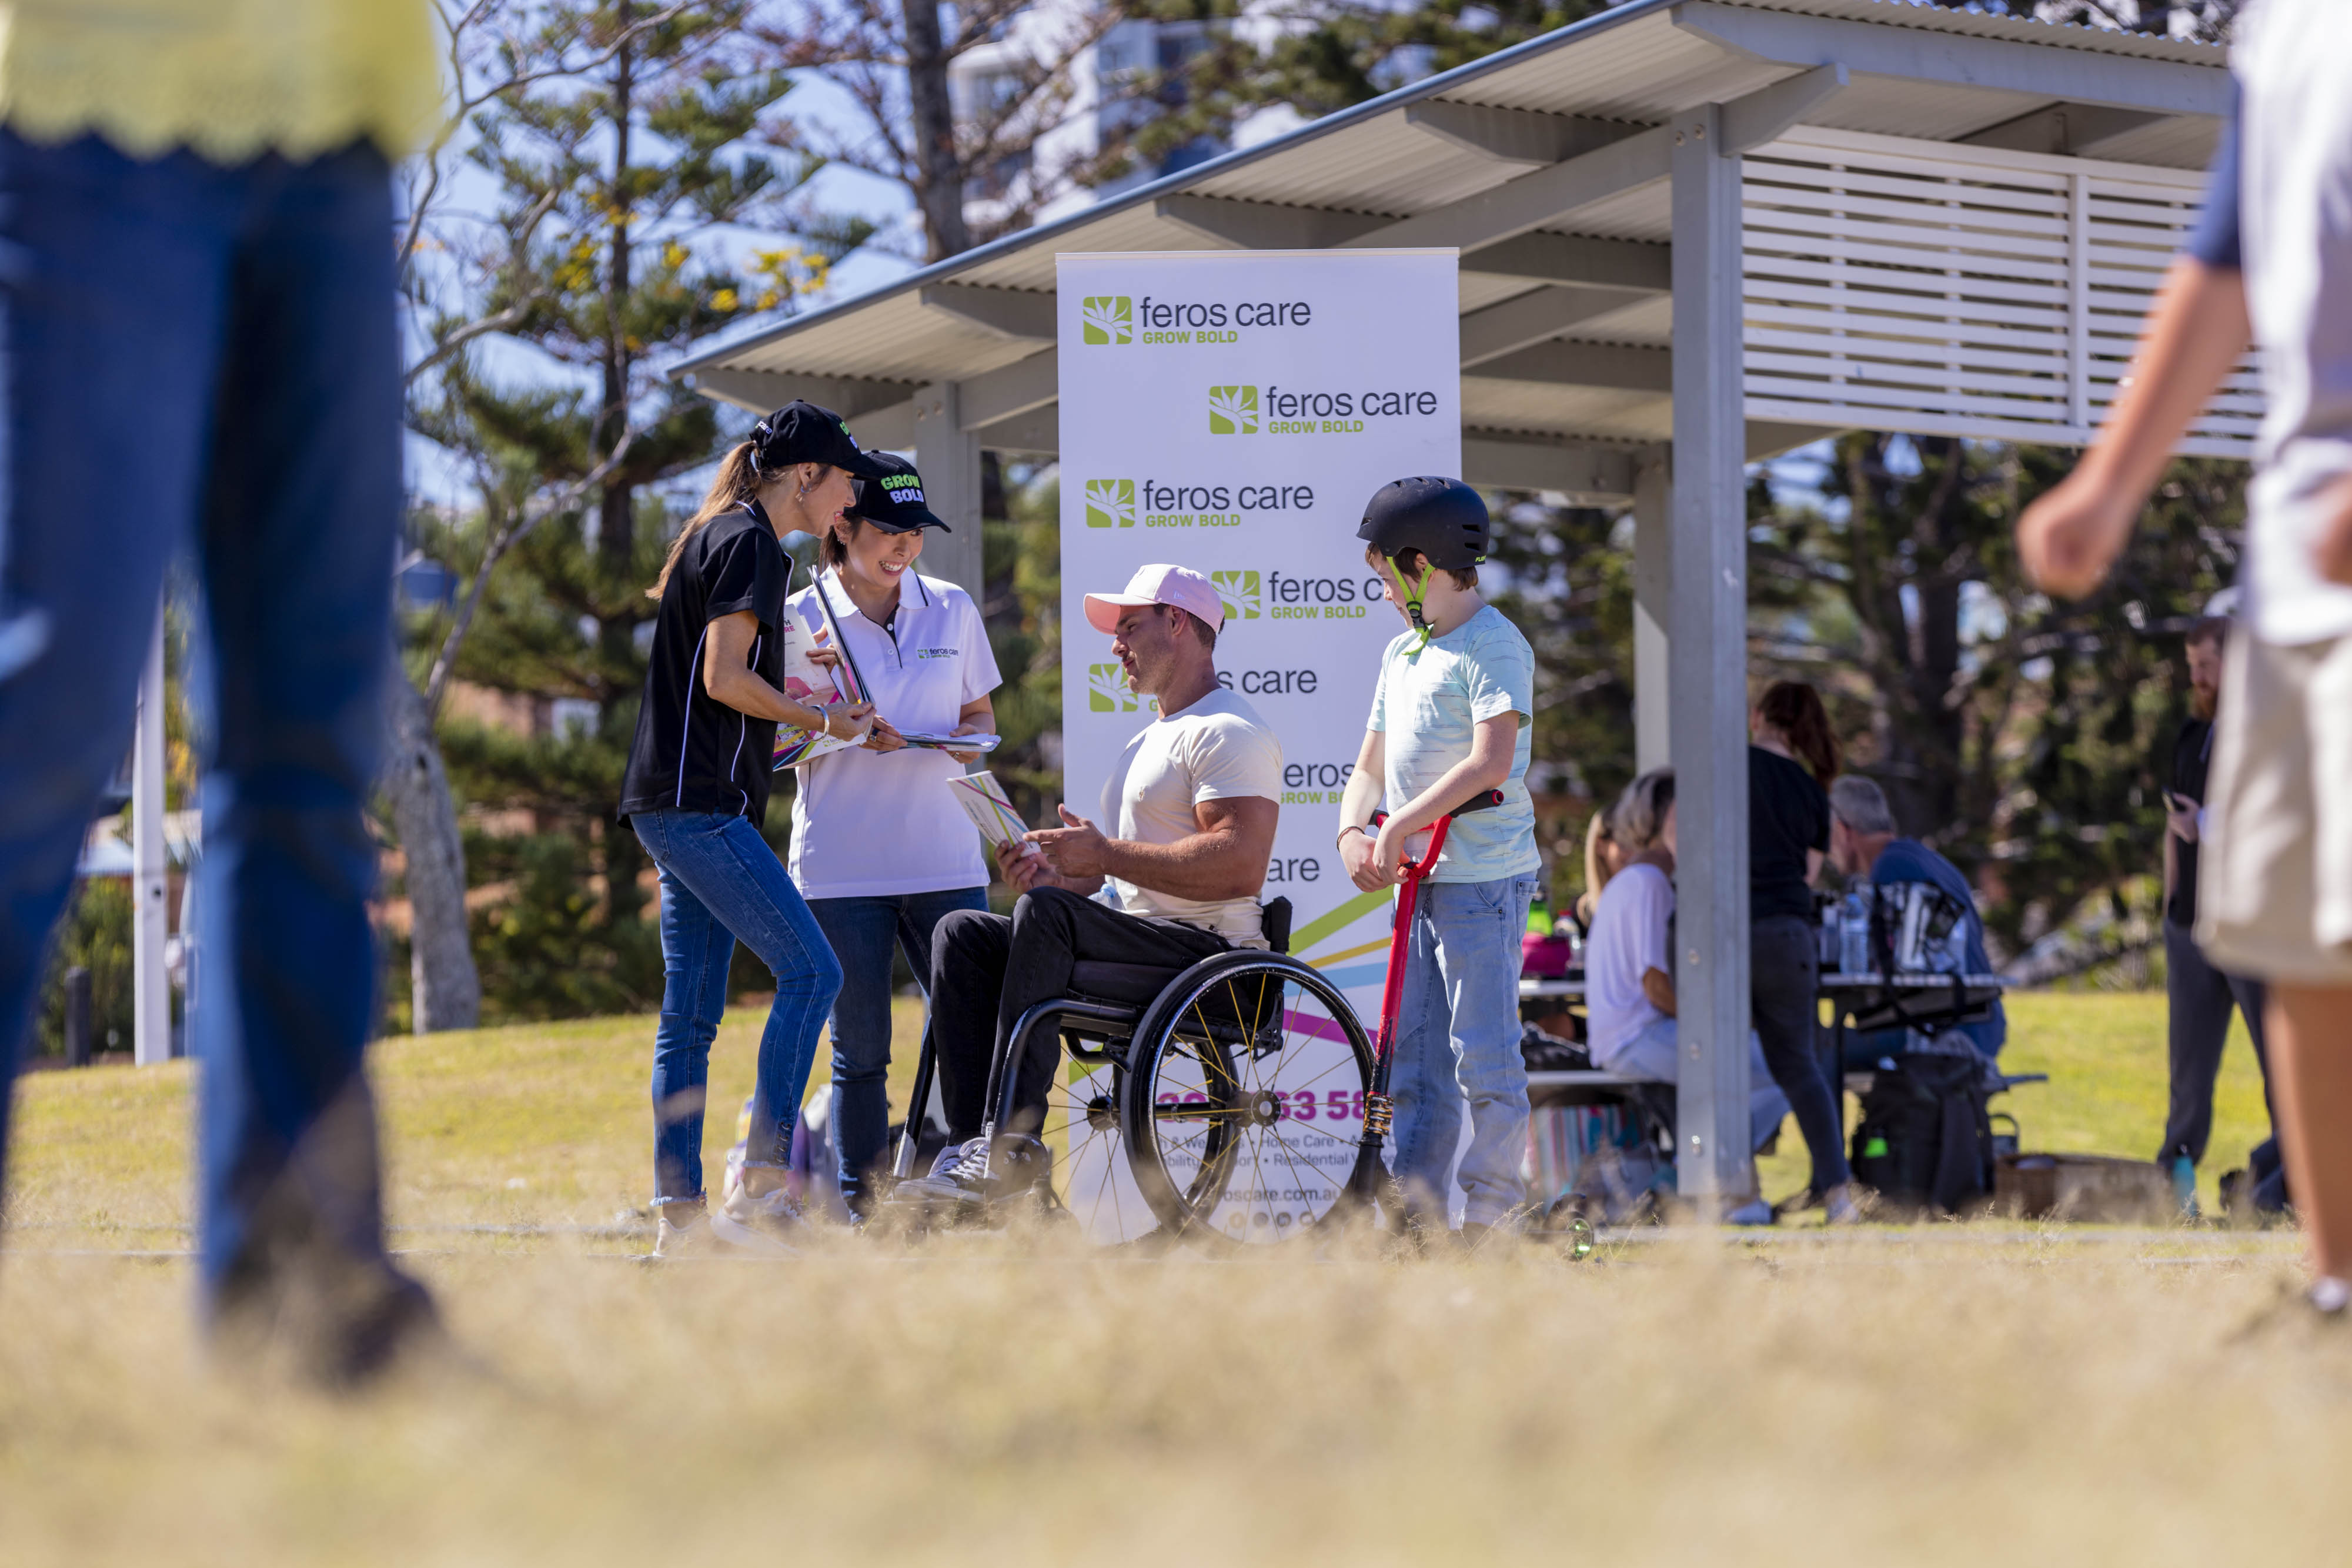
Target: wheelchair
1220	1104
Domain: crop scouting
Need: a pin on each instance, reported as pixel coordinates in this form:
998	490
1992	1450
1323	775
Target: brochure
951	742
808	681
983	801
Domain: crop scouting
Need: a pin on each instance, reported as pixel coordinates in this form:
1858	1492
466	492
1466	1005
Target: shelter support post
1708	681
1654	567
949	456
150	878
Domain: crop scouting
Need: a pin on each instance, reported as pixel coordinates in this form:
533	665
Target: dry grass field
1930	1395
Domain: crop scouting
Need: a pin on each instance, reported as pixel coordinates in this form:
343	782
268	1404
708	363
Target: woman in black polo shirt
695	791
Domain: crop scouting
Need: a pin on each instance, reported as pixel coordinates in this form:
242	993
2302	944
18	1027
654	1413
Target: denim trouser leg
207	355
1784	990
862	932
724	872
1458	1044
697	951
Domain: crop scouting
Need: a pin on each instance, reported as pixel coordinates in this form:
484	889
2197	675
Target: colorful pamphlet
951	742
985	801
816	684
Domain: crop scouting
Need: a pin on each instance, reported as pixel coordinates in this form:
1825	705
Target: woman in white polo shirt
880	849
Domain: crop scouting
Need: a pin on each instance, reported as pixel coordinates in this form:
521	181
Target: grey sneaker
770	1224
959	1176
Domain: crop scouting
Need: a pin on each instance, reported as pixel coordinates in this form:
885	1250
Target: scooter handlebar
1481	801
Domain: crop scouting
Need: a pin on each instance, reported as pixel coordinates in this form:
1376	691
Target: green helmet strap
1413	592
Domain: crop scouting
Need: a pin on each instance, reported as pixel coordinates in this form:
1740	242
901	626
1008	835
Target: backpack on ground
1925	1140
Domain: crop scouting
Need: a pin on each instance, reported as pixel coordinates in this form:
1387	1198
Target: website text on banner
1233	413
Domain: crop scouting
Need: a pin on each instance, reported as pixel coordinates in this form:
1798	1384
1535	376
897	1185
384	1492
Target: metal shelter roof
1542	163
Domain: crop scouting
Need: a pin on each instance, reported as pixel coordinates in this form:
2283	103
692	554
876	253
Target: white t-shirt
1628	935
1214	750
872	824
2292	59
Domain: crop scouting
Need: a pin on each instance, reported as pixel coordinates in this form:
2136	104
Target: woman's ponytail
737	481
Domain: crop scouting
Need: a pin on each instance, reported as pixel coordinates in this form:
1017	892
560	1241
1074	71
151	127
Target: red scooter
1370	1184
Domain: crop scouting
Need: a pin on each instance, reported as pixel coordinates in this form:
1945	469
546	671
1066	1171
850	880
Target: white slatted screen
1968	291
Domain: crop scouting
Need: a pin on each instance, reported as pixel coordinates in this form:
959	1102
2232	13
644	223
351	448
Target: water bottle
1854	937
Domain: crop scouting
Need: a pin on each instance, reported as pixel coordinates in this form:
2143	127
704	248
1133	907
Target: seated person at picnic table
1863	839
1171	876
1629	986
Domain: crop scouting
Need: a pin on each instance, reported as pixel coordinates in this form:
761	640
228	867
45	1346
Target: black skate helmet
1443	519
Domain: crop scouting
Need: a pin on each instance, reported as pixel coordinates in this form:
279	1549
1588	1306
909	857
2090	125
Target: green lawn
547	1123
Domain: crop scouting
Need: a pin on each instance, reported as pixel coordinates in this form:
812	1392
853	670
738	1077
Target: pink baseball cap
1180	585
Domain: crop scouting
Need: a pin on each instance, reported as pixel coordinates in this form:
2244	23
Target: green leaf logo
1233	411
1108	317
1110	503
1239	589
1107	691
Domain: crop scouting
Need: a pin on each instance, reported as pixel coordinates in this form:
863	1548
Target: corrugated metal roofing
1634	63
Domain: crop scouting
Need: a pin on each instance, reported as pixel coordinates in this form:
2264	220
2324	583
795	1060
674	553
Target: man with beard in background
2200	994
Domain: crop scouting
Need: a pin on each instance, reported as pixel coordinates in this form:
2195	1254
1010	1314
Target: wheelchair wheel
1091	1179
1246	1088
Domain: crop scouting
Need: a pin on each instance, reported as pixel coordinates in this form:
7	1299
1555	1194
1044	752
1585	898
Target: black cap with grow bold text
892	502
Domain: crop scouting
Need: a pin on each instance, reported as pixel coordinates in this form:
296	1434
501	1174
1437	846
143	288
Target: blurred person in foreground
195	212
1793	756
1629	982
2272	259
2201	996
1864	842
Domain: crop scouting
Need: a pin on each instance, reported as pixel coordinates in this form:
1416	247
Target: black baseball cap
893	499
803	433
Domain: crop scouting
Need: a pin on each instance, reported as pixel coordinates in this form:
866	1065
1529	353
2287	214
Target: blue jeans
862	931
1458	1042
721	883
203	359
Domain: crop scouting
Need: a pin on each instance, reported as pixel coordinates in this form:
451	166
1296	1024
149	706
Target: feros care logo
1108	692
1108	317
1110	503
1233	411
1240	592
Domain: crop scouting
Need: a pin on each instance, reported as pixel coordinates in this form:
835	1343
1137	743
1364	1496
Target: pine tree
614	179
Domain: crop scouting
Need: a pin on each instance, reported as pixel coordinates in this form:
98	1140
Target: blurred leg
301	515
111	274
2310	1039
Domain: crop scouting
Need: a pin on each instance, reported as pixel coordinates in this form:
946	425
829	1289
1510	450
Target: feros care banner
1232	411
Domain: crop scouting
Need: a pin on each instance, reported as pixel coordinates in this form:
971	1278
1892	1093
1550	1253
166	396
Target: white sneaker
1755	1211
684	1238
768	1224
1841	1205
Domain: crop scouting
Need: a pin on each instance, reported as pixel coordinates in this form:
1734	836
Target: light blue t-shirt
1428	703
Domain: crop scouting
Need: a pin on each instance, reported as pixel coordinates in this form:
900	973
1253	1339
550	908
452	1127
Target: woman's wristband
1350	828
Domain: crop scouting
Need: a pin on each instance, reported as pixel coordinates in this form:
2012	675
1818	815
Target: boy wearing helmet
1449	720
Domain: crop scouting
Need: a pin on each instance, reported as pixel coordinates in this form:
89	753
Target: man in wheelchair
1169	876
